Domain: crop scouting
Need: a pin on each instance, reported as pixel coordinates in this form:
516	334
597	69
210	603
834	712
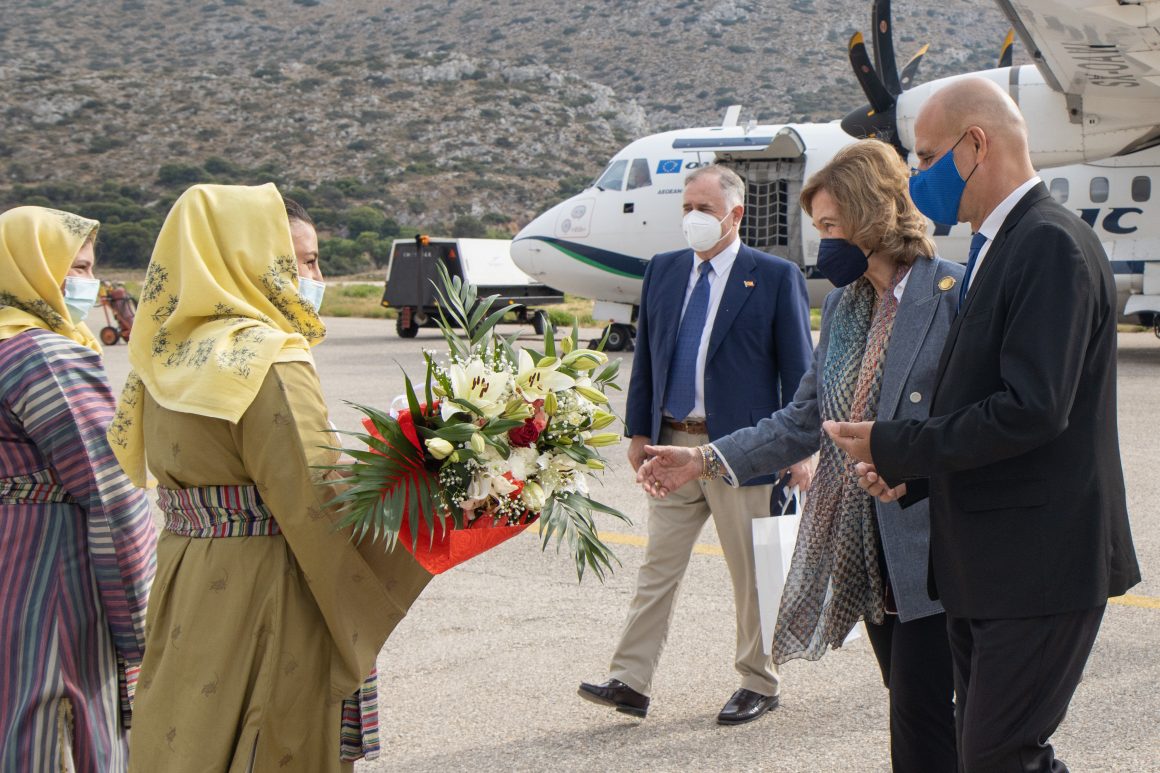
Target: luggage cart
120	310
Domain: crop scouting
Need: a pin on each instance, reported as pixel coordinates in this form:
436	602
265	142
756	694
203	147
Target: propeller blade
884	47
881	100
1007	50
864	123
911	68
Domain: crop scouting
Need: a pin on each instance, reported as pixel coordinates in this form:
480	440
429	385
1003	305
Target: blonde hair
870	184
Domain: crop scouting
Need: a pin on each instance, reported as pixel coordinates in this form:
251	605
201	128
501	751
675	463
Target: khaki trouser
674	523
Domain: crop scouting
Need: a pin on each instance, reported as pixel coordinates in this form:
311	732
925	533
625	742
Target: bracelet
711	467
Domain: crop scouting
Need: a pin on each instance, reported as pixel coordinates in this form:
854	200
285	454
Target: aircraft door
772	221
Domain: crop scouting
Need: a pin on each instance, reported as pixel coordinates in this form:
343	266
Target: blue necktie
680	392
977	242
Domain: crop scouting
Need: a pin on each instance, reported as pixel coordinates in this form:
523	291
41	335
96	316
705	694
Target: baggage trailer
485	263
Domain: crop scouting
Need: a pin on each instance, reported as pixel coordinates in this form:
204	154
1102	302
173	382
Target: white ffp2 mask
702	230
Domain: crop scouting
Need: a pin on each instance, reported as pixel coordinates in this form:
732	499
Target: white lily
479	386
536	380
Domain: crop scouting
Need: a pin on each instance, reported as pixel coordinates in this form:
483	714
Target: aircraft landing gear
620	337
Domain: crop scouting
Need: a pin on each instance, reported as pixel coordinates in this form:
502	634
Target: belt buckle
692	427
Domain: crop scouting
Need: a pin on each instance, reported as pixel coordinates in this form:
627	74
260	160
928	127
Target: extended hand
852	437
802	474
871	481
636	454
669	468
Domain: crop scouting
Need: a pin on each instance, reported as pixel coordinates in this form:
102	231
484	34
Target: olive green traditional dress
264	620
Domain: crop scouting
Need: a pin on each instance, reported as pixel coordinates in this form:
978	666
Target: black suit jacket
1027	502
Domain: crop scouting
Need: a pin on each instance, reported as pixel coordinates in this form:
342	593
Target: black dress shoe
745	706
618	694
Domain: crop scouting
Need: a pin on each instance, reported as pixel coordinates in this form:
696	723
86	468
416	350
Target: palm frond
568	518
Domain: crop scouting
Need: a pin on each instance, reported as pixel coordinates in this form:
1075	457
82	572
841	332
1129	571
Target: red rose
525	435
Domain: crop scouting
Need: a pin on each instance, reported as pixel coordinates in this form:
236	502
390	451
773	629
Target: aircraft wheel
538	319
619	338
406	331
110	336
1156	325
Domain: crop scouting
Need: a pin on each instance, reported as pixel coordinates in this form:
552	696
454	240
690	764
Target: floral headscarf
219	306
37	248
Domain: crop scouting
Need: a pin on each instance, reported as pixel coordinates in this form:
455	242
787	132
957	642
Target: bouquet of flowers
502	438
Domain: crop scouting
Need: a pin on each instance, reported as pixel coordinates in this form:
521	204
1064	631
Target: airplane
1091	101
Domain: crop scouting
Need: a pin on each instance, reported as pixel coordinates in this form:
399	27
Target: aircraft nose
528	250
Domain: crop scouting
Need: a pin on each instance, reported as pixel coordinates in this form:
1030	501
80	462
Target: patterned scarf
834	579
37	248
219	306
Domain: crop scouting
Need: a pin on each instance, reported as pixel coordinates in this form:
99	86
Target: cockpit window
613	177
638	176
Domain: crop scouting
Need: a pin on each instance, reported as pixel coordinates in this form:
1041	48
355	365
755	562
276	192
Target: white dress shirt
990	226
722	263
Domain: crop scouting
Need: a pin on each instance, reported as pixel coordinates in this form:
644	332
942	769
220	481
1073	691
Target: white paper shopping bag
773	543
774	539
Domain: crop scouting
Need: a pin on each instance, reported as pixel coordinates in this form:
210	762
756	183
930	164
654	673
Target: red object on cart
120	310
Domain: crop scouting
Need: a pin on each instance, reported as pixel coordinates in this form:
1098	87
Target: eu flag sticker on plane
669	166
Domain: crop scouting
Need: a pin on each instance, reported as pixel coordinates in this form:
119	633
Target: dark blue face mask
938	191
841	262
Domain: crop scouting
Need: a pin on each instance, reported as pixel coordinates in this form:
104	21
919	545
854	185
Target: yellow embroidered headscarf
219	306
37	248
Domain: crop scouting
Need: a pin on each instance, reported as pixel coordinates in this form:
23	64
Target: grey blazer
925	314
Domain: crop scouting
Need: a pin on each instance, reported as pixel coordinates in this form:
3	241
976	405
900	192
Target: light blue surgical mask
938	191
311	290
80	295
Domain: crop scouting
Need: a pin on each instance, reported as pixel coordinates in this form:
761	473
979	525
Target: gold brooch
946	283
750	283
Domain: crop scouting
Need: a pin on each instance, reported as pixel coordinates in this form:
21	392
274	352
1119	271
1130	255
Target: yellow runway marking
618	538
1128	600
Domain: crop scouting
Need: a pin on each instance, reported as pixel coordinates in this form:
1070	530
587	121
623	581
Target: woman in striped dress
76	538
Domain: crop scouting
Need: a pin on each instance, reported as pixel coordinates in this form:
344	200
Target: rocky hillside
428	111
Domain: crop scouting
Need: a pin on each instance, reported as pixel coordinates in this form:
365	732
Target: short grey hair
731	184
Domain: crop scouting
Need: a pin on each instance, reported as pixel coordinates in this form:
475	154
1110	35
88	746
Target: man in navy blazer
722	340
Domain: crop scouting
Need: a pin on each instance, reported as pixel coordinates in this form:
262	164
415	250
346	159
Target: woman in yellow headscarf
76	537
265	620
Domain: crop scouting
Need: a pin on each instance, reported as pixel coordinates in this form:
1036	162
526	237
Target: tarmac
483	672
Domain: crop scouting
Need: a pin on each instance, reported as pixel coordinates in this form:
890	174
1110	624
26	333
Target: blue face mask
311	290
938	191
80	295
841	262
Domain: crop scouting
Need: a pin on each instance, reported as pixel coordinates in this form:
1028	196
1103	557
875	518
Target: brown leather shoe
615	693
745	706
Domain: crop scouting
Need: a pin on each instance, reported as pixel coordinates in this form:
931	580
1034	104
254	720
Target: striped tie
977	242
680	392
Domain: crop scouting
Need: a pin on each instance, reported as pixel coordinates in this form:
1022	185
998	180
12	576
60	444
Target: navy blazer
1027	502
925	314
758	351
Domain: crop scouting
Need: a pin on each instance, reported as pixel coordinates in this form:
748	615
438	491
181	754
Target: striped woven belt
216	511
37	488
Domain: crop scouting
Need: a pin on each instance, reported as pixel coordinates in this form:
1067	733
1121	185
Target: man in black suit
1020	456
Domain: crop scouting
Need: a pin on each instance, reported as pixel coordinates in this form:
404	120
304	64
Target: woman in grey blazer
857	558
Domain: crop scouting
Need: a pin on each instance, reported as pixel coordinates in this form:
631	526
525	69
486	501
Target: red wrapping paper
449	547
